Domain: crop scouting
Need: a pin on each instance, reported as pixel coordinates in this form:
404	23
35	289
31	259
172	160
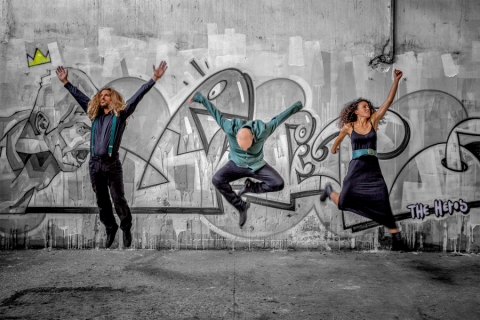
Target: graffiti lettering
440	208
419	210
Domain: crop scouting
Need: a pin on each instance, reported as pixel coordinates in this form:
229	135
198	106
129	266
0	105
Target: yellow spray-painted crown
38	58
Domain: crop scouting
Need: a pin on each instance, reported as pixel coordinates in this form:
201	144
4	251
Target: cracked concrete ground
141	284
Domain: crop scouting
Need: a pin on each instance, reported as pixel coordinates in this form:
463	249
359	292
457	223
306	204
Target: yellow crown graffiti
39	58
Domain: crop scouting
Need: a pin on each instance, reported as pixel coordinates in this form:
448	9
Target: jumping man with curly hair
109	114
364	190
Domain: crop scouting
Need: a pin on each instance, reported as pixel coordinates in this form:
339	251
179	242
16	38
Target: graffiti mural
40	143
429	148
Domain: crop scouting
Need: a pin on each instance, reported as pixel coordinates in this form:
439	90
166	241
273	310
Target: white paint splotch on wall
253	59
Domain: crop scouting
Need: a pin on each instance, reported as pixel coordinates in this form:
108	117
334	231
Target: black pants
107	174
271	181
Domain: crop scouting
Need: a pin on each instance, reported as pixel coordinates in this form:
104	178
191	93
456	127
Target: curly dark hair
348	115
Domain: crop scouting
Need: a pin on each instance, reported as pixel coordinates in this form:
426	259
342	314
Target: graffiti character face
40	143
74	137
61	123
53	137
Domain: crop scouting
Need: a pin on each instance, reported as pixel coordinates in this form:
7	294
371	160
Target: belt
363	152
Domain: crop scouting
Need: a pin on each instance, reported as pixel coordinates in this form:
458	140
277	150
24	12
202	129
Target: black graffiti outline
291	153
290	206
464	165
249	85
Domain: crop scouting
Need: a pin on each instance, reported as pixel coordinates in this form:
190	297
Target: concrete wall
269	54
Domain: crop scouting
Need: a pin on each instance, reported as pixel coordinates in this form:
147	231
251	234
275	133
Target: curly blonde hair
348	115
117	103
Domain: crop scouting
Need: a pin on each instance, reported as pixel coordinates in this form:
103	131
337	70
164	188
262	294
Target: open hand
158	72
397	74
62	74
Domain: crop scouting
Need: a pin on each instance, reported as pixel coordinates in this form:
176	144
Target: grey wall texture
260	57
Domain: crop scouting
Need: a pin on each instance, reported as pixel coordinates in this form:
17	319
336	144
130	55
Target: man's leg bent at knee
270	181
221	180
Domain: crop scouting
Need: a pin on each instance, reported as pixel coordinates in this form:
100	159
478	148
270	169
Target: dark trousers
107	174
271	181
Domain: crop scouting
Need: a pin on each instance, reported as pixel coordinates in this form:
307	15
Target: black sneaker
127	238
111	237
246	185
326	193
243	215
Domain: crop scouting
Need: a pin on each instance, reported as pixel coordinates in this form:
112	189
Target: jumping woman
364	189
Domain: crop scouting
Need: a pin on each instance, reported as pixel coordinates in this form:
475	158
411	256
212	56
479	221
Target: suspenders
112	135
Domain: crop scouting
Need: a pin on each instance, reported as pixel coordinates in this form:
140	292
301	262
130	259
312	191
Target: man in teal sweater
246	139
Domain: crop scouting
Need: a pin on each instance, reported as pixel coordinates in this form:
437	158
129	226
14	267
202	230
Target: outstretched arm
217	115
81	98
277	120
138	96
391	95
336	145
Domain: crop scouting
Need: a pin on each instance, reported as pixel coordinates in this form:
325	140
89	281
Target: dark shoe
243	215
245	187
326	193
398	244
111	237
127	238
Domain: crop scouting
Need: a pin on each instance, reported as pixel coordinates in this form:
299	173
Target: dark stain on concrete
53	292
436	272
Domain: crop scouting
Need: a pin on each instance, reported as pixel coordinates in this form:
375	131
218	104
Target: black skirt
365	192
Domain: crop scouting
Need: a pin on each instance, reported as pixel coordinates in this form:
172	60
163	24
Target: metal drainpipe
387	57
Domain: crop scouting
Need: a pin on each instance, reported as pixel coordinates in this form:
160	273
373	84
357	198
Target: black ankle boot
127	238
111	236
245	187
397	243
243	215
326	193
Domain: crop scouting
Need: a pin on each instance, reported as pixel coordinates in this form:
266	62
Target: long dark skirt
364	192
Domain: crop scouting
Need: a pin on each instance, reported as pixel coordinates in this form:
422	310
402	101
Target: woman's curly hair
117	103
348	115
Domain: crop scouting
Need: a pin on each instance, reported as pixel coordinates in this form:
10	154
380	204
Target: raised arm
397	75
347	129
277	120
81	98
217	115
138	96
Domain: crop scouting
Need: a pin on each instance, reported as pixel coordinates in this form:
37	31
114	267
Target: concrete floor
139	284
